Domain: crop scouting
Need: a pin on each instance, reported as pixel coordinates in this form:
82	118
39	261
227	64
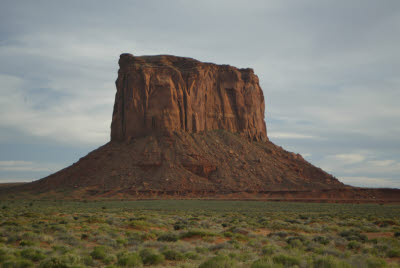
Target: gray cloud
329	71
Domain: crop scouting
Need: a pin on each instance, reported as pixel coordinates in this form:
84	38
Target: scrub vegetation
194	233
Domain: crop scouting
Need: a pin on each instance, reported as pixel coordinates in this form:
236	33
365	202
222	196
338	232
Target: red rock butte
182	128
162	94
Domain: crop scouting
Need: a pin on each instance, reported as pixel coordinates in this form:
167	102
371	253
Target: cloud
11	180
349	158
285	135
12	165
73	118
371	182
382	163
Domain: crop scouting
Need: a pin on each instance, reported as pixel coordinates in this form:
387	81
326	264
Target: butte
182	128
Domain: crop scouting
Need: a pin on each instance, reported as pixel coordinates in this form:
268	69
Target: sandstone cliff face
163	94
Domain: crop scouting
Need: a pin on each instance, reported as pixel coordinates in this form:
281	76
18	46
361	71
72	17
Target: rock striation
163	94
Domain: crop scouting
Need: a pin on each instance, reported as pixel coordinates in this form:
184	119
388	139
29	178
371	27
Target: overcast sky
330	72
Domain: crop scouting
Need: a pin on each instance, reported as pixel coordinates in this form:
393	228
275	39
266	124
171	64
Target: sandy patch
378	235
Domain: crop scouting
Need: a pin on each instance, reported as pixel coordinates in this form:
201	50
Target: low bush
393	253
279	234
54	262
4	255
375	263
228	234
353	235
26	243
286	260
329	262
16	263
321	239
268	250
84	236
130	260
193	233
68	260
33	254
173	255
151	257
353	245
99	253
295	241
192	255
168	237
139	224
242	257
219	262
179	225
265	263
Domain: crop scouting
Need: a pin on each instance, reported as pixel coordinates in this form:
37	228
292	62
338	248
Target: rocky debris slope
189	165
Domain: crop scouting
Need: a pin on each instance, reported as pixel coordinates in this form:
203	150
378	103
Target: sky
330	72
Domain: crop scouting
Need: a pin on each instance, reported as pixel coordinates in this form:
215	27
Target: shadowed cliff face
163	94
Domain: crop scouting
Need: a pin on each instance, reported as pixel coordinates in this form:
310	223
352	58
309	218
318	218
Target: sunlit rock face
164	94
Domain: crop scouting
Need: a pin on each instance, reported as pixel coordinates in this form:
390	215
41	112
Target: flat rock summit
182	128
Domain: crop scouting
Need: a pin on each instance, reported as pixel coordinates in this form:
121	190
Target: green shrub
151	257
192	255
202	250
228	234
4	255
68	260
99	253
353	245
328	262
353	235
88	260
325	262
26	243
393	253
242	257
281	234
33	254
84	236
179	225
286	260
193	233
130	260
55	262
139	224
169	237
17	264
219	262
109	259
173	255
265	263
268	250
375	263
61	249
294	242
321	239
